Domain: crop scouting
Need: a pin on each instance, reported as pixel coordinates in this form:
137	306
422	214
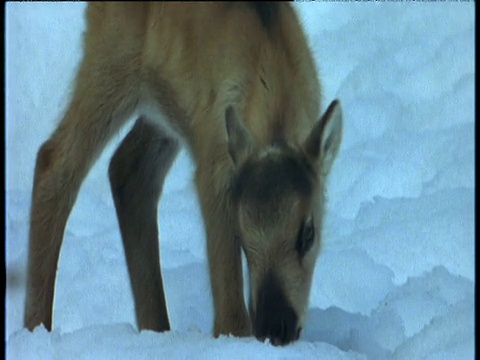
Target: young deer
235	83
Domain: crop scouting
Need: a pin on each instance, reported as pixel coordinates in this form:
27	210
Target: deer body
236	84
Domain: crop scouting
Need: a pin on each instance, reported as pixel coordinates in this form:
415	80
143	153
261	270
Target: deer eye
305	238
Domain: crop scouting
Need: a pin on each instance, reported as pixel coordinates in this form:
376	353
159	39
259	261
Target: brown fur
234	82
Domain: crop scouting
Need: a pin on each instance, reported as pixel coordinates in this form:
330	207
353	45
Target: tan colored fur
177	67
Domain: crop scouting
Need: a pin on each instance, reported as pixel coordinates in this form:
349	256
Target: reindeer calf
235	83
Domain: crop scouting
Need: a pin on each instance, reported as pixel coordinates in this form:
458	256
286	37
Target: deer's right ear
324	141
239	140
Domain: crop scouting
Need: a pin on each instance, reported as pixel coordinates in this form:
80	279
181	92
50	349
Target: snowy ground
396	275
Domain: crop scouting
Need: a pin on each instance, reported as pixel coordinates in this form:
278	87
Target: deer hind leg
137	172
98	108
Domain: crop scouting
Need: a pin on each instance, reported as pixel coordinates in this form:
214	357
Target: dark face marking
274	317
264	180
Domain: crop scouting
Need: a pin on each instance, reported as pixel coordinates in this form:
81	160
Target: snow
395	279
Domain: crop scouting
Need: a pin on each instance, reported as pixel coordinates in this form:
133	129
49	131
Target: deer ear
239	140
323	142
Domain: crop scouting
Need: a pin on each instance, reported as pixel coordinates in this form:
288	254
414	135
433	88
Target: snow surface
395	279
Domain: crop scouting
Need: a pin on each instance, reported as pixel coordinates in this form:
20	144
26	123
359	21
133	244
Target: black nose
274	317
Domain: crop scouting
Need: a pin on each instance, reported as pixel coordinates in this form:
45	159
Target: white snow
395	279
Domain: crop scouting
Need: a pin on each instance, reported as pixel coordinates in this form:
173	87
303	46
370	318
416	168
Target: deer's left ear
324	140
